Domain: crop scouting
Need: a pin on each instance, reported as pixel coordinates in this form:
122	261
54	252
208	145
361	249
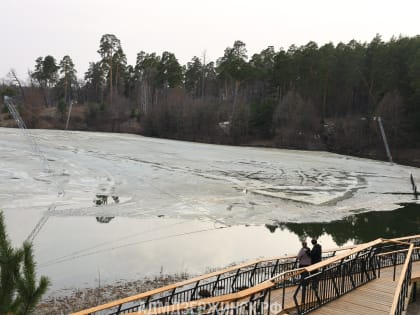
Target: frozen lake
181	207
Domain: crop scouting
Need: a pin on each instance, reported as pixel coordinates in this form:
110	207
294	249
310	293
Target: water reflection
271	227
362	227
104	219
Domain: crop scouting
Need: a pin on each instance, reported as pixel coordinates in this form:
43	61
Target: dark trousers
304	283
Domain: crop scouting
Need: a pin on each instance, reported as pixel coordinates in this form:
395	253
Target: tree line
310	96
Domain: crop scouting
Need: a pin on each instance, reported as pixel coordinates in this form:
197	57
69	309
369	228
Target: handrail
353	249
401	291
194	280
358	248
398	251
220	299
337	258
172	286
208	301
397	241
407	237
250	291
337	278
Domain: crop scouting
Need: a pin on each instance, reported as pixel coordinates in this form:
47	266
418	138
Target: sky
187	28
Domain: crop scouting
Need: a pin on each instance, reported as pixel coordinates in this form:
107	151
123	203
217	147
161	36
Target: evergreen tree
113	60
169	71
46	74
193	77
69	79
19	291
95	82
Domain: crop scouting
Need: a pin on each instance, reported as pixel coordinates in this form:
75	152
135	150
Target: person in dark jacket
316	252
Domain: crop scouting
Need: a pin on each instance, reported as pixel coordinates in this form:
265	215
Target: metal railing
227	283
259	299
323	285
253	283
318	287
401	294
215	284
256	299
251	304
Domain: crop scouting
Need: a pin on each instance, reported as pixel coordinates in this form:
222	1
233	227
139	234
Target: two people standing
307	256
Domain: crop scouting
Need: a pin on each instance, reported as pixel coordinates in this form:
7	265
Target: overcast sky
33	28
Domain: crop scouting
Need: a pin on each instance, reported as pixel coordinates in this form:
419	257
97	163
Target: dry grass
80	299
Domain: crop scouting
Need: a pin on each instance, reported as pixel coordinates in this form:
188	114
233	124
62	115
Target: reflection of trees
271	227
104	219
363	227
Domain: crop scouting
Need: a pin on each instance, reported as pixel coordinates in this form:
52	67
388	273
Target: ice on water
231	185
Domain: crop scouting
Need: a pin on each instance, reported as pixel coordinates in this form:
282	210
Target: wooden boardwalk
351	267
373	298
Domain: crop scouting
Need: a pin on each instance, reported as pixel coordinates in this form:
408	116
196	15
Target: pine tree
19	291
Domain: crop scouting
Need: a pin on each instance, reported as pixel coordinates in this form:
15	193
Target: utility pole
381	127
203	71
68	116
413	184
31	139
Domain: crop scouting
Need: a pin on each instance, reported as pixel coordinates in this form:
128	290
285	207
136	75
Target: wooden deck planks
373	298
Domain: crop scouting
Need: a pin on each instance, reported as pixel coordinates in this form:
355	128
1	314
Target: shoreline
79	299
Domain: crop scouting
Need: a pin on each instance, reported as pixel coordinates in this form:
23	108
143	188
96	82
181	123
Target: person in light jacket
304	259
304	255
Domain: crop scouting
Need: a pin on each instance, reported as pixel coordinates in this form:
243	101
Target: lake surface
175	207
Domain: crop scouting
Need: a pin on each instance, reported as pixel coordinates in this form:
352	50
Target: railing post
146	304
251	283
172	295
342	275
337	292
215	285
275	267
283	294
194	291
234	279
362	270
395	266
371	262
351	269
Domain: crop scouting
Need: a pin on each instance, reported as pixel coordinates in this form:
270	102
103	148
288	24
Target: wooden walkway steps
373	298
